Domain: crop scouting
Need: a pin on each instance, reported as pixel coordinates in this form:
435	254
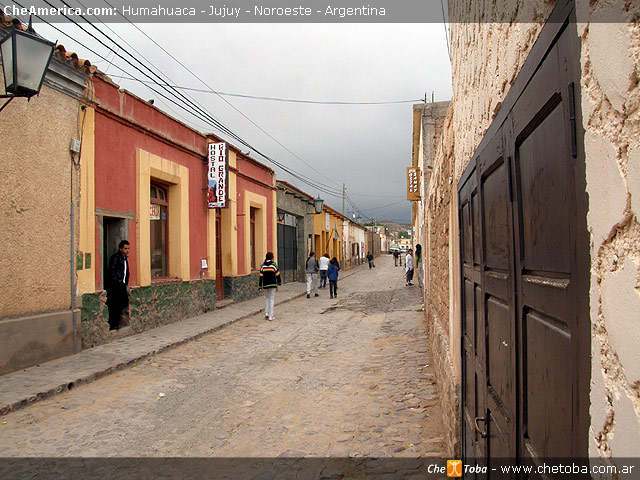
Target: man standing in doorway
117	281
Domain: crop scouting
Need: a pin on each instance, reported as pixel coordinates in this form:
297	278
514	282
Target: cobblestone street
327	378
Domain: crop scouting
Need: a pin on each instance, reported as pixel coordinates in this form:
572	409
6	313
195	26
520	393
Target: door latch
483	433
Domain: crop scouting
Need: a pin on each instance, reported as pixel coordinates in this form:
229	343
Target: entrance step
224	303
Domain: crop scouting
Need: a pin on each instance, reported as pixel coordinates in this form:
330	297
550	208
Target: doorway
114	229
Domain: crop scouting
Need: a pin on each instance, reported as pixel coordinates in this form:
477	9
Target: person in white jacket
409	265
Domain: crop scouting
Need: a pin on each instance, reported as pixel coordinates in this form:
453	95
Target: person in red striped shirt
269	281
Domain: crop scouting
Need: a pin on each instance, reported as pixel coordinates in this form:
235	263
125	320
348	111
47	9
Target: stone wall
611	120
241	288
150	307
438	195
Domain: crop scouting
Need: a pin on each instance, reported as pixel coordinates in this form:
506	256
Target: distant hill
396	227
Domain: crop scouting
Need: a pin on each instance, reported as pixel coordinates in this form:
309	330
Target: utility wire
274	99
224	99
446	33
384	206
197	112
208	118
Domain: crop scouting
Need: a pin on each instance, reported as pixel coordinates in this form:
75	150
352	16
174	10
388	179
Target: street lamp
318	204
25	58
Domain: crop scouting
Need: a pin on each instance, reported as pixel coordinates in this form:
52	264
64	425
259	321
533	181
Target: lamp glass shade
318	203
6	50
25	59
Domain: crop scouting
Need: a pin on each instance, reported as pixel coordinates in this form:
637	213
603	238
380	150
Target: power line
384	206
224	99
199	113
189	107
274	99
446	33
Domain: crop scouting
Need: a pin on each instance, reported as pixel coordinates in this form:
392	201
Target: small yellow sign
413	183
454	468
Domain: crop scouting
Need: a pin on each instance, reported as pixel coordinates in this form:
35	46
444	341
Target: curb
96	375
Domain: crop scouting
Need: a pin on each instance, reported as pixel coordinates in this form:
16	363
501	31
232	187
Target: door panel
547	374
525	267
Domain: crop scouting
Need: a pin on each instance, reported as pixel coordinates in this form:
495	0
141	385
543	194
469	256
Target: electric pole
344	188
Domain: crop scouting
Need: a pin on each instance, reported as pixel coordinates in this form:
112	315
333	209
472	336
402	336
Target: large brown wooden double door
525	268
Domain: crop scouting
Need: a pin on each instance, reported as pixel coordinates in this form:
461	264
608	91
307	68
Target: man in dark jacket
117	281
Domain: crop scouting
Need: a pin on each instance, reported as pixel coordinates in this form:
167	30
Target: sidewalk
20	389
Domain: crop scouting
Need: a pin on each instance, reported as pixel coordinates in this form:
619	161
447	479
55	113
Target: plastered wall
611	120
35	201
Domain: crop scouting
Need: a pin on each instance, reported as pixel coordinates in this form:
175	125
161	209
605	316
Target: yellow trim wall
150	166
211	243
324	241
274	220
229	232
253	200
87	217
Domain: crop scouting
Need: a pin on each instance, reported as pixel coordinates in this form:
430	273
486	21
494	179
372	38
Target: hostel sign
217	175
413	183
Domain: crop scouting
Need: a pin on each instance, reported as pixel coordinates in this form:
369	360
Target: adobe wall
611	120
35	201
39	185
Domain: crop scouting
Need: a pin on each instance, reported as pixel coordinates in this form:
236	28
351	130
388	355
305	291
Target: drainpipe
72	262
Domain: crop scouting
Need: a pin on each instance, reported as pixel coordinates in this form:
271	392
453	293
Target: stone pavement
22	388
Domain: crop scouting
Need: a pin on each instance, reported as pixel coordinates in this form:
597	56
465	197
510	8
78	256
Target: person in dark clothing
269	281
370	258
332	274
117	281
396	255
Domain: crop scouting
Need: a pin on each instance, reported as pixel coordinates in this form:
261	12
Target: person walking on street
408	262
370	258
312	275
116	283
396	255
324	266
269	281
419	263
332	273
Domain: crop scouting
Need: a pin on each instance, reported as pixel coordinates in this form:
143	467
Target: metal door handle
482	433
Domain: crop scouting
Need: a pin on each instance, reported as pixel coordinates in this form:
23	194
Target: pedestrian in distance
396	255
332	273
323	262
269	281
409	265
312	268
116	284
370	258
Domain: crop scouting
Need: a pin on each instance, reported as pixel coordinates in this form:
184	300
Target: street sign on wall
413	183
217	175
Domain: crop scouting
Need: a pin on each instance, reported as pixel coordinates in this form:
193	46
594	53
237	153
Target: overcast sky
367	147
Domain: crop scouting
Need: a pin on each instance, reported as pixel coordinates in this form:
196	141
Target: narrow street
328	378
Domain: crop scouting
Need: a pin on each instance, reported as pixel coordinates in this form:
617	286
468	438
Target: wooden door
525	269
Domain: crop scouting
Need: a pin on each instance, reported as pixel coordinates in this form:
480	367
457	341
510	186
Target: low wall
241	288
35	339
449	385
150	307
